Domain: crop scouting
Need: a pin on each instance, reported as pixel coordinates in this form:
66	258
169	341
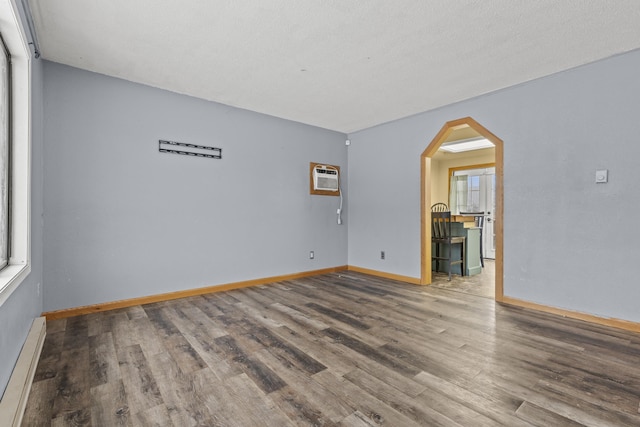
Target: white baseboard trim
15	397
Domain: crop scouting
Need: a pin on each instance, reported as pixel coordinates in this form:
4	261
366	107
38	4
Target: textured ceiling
339	64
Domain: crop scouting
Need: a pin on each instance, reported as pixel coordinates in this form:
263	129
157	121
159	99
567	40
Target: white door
475	192
488	233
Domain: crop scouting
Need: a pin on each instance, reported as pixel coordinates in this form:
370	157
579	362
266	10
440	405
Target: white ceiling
344	65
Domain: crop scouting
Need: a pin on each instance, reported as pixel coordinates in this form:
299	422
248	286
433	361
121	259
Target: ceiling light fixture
466	145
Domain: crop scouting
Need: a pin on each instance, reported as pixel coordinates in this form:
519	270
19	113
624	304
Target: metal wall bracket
173	147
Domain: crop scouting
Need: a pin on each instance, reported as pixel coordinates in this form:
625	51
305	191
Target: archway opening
443	135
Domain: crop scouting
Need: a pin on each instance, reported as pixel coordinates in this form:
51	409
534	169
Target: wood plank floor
483	284
342	349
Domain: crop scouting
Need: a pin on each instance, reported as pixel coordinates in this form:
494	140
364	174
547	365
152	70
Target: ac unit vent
325	178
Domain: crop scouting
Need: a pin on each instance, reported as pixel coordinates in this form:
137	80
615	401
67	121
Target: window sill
10	278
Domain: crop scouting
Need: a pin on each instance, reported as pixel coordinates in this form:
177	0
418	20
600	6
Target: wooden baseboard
76	311
94	308
15	397
407	279
605	321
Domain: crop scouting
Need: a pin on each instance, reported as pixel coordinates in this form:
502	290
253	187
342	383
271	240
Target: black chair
479	220
441	236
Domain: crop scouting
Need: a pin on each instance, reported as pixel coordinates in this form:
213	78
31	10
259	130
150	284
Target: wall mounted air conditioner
325	178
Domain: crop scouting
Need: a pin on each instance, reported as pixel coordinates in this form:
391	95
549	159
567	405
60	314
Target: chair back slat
439	207
441	225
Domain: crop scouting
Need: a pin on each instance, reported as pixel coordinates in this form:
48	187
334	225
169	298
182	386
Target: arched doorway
425	203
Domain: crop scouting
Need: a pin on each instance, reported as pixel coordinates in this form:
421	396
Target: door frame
425	202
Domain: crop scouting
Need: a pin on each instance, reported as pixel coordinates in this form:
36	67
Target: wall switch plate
602	176
311	255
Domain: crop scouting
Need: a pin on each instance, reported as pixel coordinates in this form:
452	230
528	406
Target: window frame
466	170
4	50
19	266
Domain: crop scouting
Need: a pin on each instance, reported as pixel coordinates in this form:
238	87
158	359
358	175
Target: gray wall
123	220
568	242
18	312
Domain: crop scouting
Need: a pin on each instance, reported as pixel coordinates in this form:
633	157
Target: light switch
602	176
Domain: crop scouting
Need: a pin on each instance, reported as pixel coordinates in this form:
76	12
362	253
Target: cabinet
472	263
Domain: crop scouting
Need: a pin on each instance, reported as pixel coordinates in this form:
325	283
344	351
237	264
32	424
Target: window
472	190
15	147
5	135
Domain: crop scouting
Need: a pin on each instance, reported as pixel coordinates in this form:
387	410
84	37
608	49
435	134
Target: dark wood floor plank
298	409
274	315
180	348
407	405
541	417
102	360
191	398
299	317
358	419
109	406
135	312
343	349
213	392
397	364
402	383
330	316
264	377
344	360
338	315
39	409
454	410
73	399
491	409
568	407
300	383
433	362
56	325
139	331
202	303
340	296
76	330
258	314
376	411
338	358
618	397
257	409
200	320
221	302
214	357
50	356
139	382
282	349
158	416
103	322
200	331
176	390
587	404
81	417
163	326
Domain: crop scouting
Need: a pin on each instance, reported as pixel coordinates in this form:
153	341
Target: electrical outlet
602	176
311	255
38	289
381	254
